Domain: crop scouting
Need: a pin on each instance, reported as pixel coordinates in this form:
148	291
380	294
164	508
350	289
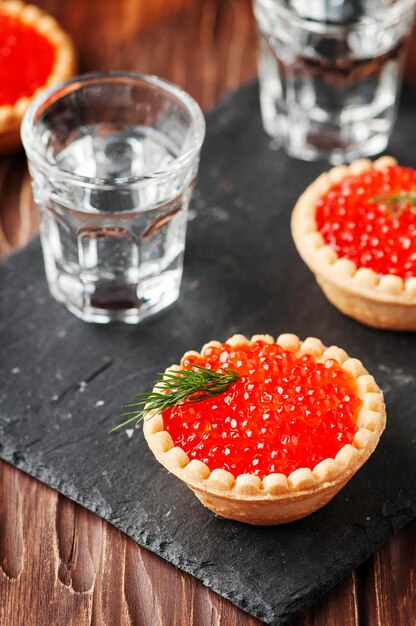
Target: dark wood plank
59	564
62	565
410	68
340	601
389	581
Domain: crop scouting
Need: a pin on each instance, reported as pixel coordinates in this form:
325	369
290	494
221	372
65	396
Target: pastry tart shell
277	498
385	301
64	67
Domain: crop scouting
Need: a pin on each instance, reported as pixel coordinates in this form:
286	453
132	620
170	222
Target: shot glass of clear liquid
329	73
113	159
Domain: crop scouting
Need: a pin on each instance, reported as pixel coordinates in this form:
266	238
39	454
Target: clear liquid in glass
114	253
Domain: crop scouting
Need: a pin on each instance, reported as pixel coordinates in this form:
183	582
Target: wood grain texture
410	69
59	564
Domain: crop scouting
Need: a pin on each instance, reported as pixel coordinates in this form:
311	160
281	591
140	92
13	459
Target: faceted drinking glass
113	159
329	73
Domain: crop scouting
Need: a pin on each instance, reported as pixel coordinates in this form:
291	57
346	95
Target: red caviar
26	59
285	412
367	232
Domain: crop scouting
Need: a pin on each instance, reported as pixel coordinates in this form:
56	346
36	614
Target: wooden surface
59	564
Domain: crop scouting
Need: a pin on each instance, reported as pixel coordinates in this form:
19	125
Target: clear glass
113	159
329	73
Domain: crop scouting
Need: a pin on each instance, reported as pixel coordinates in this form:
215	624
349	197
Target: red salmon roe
284	413
366	232
26	59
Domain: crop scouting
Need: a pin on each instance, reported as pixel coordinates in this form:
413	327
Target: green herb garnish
178	387
396	203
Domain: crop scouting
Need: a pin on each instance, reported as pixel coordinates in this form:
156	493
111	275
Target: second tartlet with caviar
35	53
355	228
294	425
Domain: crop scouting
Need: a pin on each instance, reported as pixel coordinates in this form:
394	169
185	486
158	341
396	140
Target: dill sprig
396	203
177	387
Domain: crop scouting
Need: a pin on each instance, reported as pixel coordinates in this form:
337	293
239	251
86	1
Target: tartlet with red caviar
294	425
35	53
355	228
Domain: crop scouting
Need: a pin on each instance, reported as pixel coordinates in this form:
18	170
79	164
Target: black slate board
242	274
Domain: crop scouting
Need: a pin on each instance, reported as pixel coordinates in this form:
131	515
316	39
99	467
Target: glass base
316	142
337	156
107	303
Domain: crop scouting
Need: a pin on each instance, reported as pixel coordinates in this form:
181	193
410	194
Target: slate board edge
405	512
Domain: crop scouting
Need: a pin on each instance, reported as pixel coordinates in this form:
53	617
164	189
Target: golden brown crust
382	301
64	67
278	499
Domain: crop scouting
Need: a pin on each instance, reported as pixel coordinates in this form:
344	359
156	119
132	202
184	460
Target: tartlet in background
35	53
355	228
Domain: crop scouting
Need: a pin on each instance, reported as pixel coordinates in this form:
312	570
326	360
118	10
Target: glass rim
317	26
197	128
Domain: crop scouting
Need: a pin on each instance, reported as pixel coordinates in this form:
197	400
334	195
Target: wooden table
60	564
